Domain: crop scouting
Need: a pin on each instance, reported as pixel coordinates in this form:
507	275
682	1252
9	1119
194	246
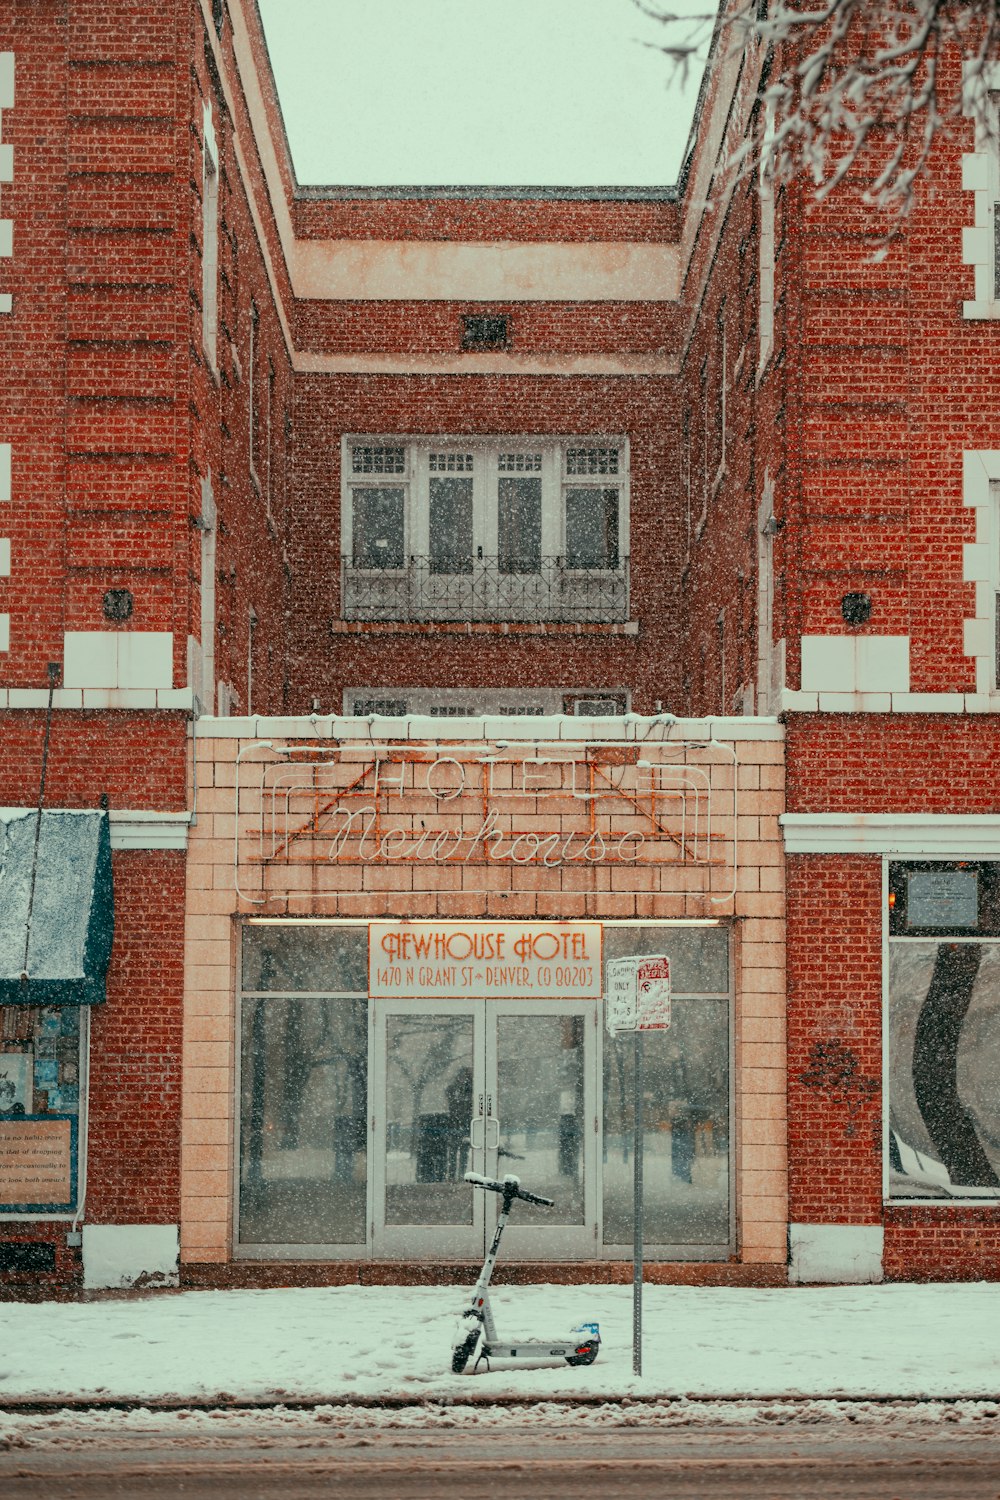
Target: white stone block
6	80
5	450
976	561
27	698
130	1255
975	246
182	698
795	702
927	703
978	637
849	1254
145	659
4	632
6	238
882	663
975	171
839	703
875	703
4	557
828	664
129	698
90	659
6	163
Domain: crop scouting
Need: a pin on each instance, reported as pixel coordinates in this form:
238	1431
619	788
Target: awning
72	911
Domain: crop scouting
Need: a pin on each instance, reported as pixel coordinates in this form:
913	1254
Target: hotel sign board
484	960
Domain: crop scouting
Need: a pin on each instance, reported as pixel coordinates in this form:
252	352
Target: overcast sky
479	92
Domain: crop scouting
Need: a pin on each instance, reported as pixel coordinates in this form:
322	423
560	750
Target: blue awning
72	911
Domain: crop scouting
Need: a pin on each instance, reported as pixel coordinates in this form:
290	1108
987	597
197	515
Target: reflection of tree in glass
949	1124
428	1049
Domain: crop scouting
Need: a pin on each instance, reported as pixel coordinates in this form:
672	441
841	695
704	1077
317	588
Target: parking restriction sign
653	995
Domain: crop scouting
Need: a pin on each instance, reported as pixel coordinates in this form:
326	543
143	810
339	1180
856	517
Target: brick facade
187	338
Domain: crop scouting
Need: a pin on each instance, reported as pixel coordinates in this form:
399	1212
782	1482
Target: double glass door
492	1087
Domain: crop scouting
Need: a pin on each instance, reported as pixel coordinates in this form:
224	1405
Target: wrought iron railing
488	591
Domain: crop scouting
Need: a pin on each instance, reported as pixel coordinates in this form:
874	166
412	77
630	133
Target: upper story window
461	529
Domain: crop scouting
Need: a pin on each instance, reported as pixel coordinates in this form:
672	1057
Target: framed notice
942	898
38	1164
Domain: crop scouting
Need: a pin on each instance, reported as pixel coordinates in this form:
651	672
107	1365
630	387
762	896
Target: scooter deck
532	1349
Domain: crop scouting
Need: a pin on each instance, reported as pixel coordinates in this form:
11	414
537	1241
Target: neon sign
549	806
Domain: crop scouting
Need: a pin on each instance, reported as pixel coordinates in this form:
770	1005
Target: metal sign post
637	1209
638	1000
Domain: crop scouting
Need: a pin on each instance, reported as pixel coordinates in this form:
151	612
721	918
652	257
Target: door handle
475	1145
493	1145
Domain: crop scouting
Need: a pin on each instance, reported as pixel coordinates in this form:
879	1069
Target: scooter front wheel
463	1351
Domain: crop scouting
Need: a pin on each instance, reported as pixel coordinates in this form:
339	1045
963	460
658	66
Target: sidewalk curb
43	1405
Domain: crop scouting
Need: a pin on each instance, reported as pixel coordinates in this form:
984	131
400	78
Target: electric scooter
476	1333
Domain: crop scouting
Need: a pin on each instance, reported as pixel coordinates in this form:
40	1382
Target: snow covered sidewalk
358	1343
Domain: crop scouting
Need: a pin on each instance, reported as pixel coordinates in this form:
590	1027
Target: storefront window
944	1031
304	1082
686	1098
40	1066
468	1082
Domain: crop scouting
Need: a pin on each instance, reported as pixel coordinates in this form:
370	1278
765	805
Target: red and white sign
653	995
638	994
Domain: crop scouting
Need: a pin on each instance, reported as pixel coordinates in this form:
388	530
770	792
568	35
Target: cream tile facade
739	881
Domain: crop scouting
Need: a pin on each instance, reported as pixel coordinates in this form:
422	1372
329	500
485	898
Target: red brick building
429	599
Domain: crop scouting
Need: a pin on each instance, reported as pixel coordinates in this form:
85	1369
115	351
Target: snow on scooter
476	1333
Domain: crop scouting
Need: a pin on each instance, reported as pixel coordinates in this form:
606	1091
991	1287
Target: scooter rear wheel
587	1358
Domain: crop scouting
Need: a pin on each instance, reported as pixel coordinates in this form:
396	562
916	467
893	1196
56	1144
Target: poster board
38	1163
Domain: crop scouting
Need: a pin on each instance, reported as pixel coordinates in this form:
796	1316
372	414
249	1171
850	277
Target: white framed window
942	1025
210	242
496	528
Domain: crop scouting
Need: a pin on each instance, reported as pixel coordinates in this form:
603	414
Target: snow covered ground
361	1343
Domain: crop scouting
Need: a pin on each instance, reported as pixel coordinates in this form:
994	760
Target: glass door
428	1127
484	1086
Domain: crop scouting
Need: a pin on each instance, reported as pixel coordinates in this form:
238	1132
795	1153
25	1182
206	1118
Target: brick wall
643	410
133	1174
487	219
618	329
892	763
834	1039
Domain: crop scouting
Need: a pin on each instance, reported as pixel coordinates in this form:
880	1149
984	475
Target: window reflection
686	1129
944	1038
303	1157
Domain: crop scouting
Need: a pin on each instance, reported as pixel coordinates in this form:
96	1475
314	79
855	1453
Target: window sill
482	627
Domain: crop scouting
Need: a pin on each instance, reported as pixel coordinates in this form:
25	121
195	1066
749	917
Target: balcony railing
486	592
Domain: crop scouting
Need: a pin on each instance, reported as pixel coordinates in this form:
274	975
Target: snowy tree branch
856	88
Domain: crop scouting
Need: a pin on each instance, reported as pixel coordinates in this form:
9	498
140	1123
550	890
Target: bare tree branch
852	88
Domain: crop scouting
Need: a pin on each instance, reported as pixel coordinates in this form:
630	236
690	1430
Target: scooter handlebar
510	1186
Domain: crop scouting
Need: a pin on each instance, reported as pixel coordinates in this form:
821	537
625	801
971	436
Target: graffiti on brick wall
835	1070
545	805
